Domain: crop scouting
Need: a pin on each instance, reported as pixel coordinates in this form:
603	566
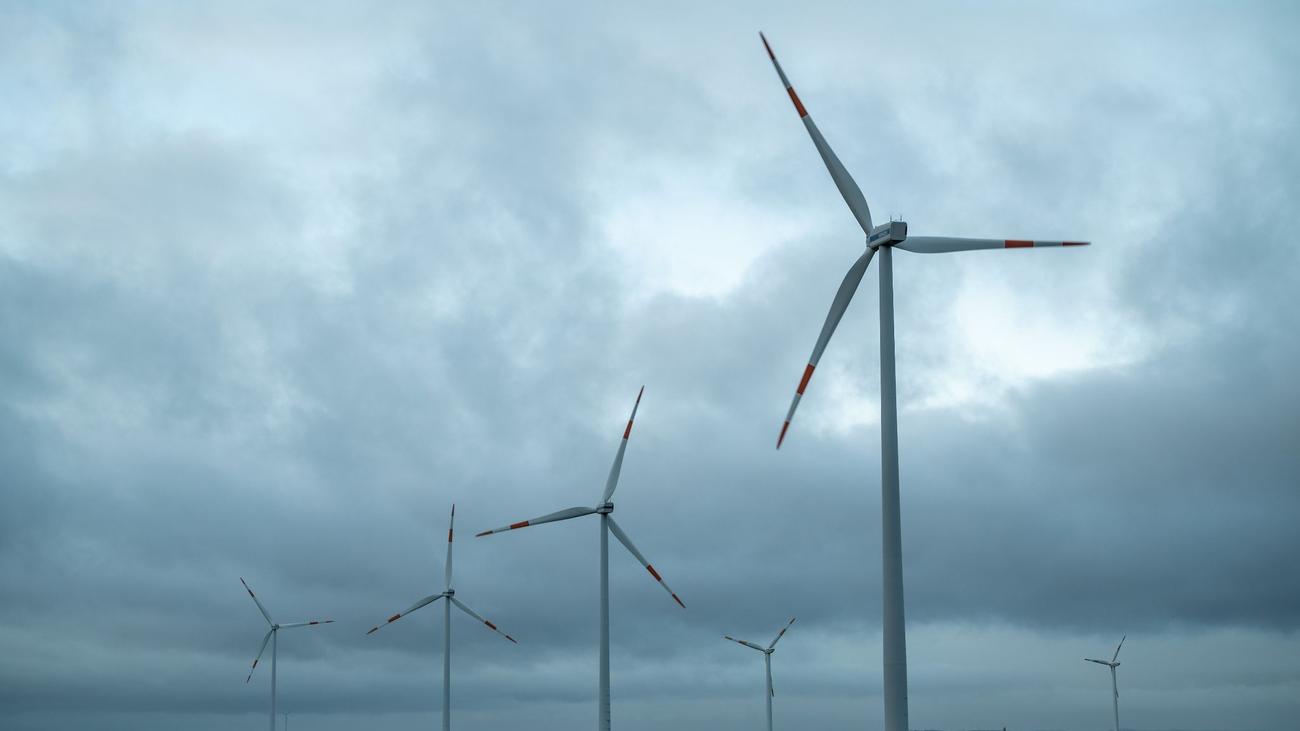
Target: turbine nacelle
887	234
605	509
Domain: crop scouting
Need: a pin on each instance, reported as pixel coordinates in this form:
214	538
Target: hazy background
278	284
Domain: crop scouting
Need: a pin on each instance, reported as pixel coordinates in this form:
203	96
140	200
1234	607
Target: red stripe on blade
803	383
394	618
628	431
653	573
798	105
493	626
679	601
782	437
449	535
521	524
769	48
484	533
1074	243
1014	244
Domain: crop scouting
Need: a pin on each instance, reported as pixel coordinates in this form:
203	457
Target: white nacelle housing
887	234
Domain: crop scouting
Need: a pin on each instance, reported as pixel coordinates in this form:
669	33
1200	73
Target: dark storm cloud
280	348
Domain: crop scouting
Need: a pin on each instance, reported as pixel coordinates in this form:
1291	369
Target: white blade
475	615
627	543
612	481
450	524
551	518
841	303
260	650
848	189
1121	644
307	624
947	244
256	601
781	634
743	642
422	603
1099	662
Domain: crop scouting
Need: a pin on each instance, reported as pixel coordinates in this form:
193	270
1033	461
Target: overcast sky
280	284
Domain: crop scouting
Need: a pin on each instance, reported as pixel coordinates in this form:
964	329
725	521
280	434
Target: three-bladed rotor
274	627
448	592
891	234
605	507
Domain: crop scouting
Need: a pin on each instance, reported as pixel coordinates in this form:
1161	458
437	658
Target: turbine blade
847	187
947	244
1121	644
746	643
1099	662
257	601
549	518
450	525
307	623
611	483
841	303
422	603
781	634
627	543
475	615
260	650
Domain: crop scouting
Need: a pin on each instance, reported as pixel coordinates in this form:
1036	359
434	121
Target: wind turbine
607	525
271	637
883	239
767	661
1114	686
450	595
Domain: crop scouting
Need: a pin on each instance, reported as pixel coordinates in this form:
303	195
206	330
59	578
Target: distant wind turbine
271	637
607	526
883	239
450	595
767	662
1114	686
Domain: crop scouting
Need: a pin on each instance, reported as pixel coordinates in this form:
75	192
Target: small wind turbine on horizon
767	663
883	239
1114	685
272	636
607	525
450	595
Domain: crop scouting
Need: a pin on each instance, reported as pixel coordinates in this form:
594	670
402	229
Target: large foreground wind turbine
1114	686
767	662
883	239
607	525
271	637
450	595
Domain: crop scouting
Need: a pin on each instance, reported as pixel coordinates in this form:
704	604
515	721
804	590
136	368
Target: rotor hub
605	509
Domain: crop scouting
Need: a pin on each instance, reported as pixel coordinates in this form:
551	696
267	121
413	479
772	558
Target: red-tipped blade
843	296
843	181
627	543
611	482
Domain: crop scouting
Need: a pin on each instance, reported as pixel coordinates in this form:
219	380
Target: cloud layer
278	286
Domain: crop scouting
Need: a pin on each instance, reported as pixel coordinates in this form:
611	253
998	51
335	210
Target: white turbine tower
450	594
883	239
607	526
767	662
1114	685
272	636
